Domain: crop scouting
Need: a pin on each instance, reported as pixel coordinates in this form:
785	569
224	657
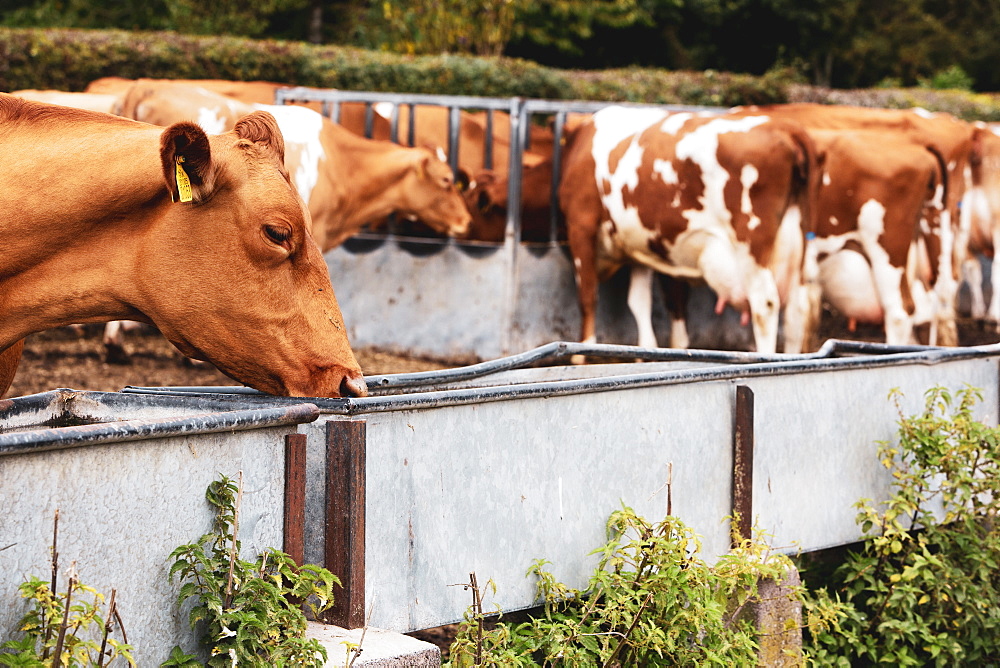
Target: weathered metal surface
125	504
492	470
56	438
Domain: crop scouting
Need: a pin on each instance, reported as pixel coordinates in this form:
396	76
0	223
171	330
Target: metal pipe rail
730	366
61	438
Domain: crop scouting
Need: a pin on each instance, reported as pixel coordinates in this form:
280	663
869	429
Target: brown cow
202	236
347	181
697	197
430	128
92	101
486	198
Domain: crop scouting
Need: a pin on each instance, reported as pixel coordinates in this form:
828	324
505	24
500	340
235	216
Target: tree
123	14
227	17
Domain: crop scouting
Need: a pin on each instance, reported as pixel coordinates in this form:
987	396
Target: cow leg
946	284
993	313
801	318
872	221
9	360
675	298
762	294
972	274
640	303
582	246
114	343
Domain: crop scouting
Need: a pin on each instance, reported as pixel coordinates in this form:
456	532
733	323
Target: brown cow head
254	296
486	198
430	194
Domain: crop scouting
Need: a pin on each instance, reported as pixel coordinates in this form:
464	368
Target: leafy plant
924	589
953	77
652	601
251	612
65	629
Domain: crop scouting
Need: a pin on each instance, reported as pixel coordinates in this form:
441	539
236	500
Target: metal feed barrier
488	467
463	301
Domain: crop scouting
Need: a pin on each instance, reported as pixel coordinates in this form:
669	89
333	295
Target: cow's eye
278	235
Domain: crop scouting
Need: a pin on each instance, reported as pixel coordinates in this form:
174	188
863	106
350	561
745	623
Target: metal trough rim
733	365
59	438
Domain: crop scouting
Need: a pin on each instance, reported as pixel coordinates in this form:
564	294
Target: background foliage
839	43
69	59
923	590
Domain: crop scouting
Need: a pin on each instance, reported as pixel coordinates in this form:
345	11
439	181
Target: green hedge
70	59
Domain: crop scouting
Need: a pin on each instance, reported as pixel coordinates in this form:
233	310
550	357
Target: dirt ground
65	358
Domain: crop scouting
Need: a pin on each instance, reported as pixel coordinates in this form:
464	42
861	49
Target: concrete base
778	617
379	648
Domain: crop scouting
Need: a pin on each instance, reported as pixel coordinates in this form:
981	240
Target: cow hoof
115	354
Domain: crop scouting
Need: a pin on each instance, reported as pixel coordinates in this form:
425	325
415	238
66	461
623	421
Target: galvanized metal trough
127	474
488	467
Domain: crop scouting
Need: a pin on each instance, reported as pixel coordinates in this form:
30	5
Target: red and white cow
710	198
881	197
945	135
203	236
981	208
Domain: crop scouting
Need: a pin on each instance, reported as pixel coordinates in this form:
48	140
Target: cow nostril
353	387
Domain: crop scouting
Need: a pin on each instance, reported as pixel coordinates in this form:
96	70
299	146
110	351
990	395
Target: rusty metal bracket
295	497
344	550
743	443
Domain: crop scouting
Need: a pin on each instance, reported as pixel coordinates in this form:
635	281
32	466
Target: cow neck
371	176
77	223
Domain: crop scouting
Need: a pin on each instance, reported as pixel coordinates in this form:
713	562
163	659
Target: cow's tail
806	178
936	205
806	181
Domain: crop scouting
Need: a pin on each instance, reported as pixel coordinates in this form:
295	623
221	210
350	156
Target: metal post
557	146
743	444
345	519
512	237
369	120
411	132
488	146
454	126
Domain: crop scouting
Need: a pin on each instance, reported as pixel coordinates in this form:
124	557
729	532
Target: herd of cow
778	209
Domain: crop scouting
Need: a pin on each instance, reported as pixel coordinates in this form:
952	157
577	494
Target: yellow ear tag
183	182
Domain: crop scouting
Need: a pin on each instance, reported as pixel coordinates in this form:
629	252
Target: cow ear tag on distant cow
183	182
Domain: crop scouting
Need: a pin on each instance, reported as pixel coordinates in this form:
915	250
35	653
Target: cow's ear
262	129
485	178
462	180
187	162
